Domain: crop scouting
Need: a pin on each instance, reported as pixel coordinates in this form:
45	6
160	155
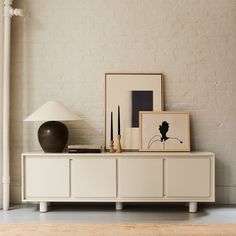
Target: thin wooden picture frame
154	135
156	87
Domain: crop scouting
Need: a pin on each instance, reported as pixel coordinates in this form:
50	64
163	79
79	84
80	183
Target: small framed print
164	131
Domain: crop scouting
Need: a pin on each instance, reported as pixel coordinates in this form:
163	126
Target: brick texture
63	48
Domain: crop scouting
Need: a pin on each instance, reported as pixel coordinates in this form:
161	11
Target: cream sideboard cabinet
125	177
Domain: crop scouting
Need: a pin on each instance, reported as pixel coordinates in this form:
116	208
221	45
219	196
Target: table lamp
53	134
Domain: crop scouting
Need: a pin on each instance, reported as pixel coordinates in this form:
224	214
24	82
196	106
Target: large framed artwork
164	131
133	92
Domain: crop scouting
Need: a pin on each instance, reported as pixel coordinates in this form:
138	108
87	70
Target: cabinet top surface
123	154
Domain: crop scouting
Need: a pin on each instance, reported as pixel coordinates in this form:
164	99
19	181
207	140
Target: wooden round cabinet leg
193	207
119	206
43	207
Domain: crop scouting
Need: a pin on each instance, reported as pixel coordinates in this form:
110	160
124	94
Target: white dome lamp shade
53	134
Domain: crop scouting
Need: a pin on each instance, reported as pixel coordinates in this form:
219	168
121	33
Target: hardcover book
84	148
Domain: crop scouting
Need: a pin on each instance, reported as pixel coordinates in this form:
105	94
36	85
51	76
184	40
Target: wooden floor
132	214
116	230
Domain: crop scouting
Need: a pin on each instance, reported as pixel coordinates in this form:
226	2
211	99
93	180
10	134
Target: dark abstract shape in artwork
141	101
163	129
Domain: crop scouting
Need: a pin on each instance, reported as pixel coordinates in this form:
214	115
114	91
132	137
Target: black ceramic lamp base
53	136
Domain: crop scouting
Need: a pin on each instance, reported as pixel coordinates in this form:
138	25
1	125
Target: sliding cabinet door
140	178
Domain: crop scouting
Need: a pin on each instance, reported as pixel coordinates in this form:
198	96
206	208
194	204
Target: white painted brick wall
63	49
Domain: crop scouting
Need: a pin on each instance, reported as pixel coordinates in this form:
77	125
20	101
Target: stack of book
84	148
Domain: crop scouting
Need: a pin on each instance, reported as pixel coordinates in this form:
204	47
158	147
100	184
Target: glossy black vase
53	136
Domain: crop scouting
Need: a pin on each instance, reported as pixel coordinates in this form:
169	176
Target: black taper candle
118	120
111	126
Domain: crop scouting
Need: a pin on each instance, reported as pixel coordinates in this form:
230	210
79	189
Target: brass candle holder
112	150
119	148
